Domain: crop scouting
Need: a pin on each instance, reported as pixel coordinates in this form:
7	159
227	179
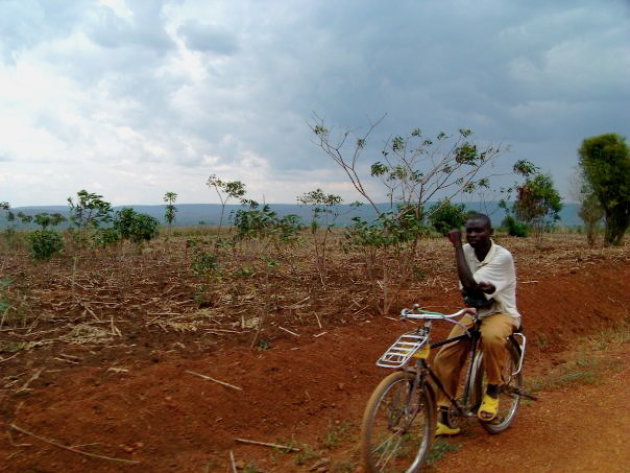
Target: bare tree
413	169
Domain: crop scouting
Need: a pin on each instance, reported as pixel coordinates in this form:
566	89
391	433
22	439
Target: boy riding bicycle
488	281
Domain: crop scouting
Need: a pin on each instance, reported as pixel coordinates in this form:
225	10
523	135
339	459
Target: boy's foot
446	430
489	408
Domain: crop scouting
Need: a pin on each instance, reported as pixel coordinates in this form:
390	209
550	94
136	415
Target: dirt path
170	421
579	428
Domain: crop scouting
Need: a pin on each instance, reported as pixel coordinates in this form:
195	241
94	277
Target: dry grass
590	360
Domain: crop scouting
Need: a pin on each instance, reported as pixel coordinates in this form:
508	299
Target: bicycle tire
509	397
398	425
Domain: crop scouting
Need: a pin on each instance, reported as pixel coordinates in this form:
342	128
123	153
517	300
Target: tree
89	210
605	161
590	210
8	214
325	210
413	170
226	190
46	220
537	203
170	210
24	218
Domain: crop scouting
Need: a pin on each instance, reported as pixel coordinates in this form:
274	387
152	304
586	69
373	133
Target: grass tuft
441	448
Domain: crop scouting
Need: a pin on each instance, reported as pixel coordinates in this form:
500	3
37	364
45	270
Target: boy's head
478	230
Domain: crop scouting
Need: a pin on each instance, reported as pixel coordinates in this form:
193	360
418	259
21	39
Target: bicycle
400	417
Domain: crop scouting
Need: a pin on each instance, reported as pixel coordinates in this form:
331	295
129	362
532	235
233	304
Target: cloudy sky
133	98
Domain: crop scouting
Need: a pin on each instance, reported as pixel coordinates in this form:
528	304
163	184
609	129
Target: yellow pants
450	359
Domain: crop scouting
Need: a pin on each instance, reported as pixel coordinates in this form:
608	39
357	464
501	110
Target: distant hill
210	214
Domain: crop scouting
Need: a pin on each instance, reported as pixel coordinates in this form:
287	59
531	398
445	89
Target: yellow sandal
489	408
443	430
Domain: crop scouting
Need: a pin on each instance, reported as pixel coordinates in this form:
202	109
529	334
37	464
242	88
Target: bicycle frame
464	407
416	344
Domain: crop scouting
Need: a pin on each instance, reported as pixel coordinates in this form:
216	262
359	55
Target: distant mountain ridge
209	214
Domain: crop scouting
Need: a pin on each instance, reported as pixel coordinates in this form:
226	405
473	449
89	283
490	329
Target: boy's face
478	232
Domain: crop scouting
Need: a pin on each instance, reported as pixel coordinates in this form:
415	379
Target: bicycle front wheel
398	425
510	394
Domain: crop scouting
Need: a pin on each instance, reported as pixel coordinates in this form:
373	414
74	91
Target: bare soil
108	360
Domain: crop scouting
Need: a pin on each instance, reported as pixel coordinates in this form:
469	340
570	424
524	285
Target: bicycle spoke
387	454
396	430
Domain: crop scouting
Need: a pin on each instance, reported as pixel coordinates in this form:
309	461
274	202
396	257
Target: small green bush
44	244
514	227
135	226
106	237
204	264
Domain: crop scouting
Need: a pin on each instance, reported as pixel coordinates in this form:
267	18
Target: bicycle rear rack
403	349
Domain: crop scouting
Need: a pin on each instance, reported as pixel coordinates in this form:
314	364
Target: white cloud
119	7
134	98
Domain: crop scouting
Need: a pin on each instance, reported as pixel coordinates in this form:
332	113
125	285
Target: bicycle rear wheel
398	425
510	395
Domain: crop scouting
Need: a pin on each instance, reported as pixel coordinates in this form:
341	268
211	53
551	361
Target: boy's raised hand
455	237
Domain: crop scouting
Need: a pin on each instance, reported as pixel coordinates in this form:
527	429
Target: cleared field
103	353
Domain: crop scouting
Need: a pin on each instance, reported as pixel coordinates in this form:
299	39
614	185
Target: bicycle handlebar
420	314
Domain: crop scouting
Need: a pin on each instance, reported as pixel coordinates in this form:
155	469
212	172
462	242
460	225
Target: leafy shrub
363	234
262	222
390	229
445	216
514	227
44	244
106	237
135	226
204	263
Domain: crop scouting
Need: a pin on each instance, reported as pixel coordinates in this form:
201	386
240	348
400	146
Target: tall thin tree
170	210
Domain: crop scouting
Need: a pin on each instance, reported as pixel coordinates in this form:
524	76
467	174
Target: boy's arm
463	271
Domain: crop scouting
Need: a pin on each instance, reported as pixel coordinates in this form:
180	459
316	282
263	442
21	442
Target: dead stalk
232	462
115	330
208	378
267	444
70	449
74	274
4	314
288	331
12	442
30	380
318	321
2	360
87	308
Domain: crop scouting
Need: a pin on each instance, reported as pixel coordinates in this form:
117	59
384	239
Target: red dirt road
579	428
310	392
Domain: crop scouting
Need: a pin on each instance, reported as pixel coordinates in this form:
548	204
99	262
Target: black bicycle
400	417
